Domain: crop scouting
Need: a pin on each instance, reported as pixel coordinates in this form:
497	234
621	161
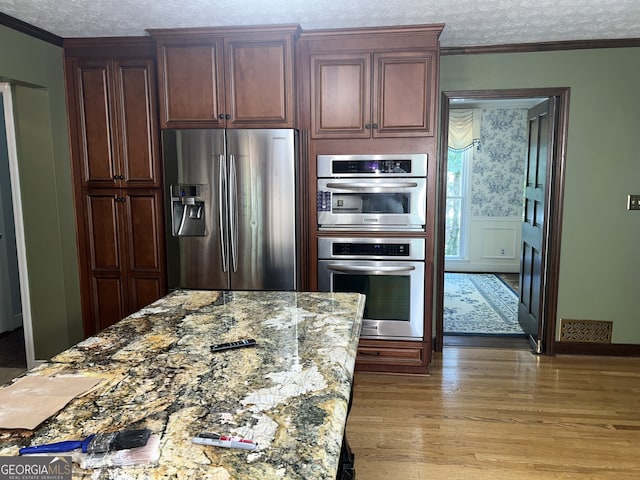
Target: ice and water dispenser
188	210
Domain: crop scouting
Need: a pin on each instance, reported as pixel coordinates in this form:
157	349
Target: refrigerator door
195	186
263	202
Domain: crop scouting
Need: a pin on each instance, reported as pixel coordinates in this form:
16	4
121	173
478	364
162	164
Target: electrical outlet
633	202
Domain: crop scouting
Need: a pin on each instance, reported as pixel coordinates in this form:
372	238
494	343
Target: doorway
520	98
16	336
12	347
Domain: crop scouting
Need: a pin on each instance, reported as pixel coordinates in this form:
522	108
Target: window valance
464	128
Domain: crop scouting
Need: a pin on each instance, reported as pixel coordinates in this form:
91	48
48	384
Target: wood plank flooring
499	414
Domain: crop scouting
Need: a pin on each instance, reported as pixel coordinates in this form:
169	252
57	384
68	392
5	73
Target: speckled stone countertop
289	393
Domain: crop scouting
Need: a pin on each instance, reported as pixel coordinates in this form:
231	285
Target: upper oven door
372	203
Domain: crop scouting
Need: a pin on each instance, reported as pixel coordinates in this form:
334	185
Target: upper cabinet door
191	80
340	98
96	125
259	76
404	100
139	150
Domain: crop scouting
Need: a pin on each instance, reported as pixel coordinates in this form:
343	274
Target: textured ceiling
468	22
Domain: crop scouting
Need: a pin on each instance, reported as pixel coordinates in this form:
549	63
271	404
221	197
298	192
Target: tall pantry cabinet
111	96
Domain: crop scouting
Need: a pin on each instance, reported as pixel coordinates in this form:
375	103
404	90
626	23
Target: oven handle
365	269
372	186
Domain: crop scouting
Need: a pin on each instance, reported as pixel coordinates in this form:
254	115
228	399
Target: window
458	162
463	139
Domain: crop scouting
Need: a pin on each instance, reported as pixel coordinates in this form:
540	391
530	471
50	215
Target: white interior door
15	283
10	311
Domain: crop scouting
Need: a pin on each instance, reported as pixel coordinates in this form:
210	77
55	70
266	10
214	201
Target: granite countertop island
289	393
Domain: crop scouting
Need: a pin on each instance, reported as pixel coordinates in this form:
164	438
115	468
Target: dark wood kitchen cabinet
125	259
226	77
362	95
372	91
391	356
115	152
115	110
370	82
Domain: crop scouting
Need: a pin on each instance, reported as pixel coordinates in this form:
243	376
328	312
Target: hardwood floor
502	415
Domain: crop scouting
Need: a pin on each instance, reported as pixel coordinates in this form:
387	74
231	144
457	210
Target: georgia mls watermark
35	468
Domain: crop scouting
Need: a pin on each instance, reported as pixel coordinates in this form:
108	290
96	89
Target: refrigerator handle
233	212
222	215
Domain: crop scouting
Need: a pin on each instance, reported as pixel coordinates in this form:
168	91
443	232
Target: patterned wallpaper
497	174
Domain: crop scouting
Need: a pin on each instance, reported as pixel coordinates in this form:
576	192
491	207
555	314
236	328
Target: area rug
479	304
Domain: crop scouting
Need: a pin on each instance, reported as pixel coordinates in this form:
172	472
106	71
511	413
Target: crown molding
30	30
542	46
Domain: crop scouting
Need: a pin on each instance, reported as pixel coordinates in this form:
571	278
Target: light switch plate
633	202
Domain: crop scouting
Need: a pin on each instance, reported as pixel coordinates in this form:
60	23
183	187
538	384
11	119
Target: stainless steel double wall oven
368	199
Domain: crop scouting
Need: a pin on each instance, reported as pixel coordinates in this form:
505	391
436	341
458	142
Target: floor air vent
590	331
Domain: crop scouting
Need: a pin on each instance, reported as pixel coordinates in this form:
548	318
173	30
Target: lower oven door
394	307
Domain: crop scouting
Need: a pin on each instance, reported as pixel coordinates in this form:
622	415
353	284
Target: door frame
555	179
21	249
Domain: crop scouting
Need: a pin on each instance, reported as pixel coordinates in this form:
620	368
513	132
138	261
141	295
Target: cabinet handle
368	126
369	353
224	116
221	116
374	126
118	177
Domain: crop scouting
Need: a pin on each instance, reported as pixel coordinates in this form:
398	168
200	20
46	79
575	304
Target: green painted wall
46	188
599	255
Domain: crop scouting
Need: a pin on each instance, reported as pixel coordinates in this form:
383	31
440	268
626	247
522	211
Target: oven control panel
371	248
396	165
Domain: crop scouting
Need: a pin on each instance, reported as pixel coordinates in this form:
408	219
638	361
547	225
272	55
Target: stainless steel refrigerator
232	209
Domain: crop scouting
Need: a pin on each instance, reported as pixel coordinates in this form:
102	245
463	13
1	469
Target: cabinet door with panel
191	78
392	356
136	109
259	82
403	103
125	245
115	111
144	229
365	95
106	260
340	95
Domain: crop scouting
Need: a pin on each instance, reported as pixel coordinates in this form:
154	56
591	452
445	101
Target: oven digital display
371	249
371	167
